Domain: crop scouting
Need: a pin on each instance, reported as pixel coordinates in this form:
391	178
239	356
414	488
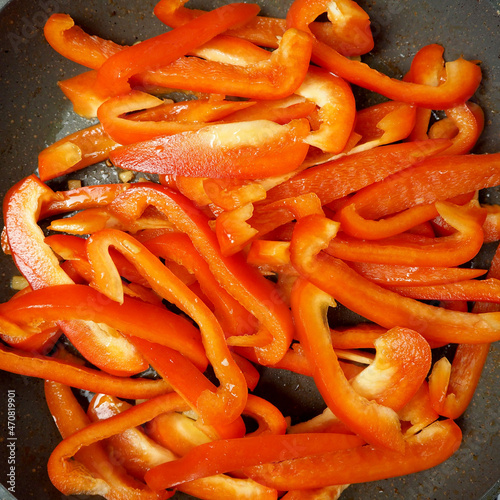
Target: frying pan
33	114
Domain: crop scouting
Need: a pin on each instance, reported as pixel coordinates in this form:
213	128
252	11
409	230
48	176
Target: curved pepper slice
231	314
376	424
248	150
23	206
462	77
134	317
276	76
160	118
229	455
74	44
138	453
113	75
230	398
81	377
93	472
74	152
430	447
402	276
415	250
250	288
375	303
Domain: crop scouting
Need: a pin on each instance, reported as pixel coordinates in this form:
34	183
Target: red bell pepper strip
462	77
452	386
415	250
337	109
81	377
230	397
71	478
138	453
438	178
234	318
229	455
487	290
113	75
403	276
23	205
248	150
376	424
134	317
74	152
384	123
92	472
426	449
160	118
276	76
74	44
245	284
191	384
467	122
375	303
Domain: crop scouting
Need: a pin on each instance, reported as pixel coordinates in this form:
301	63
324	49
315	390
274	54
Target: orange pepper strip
328	492
462	77
376	303
244	283
139	453
113	75
92	472
403	276
228	455
74	152
74	44
190	383
230	397
267	31
487	290
452	386
134	317
142	127
103	346
347	174
247	150
234	318
81	377
432	446
276	76
414	250
376	424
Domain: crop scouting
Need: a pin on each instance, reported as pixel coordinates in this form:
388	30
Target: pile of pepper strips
270	208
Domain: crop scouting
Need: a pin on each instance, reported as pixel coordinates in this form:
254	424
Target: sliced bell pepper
74	152
234	318
277	76
160	118
267	31
23	205
375	423
81	377
248	150
251	289
430	447
134	317
230	397
229	455
74	44
337	109
92	472
414	250
402	276
375	303
113	75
